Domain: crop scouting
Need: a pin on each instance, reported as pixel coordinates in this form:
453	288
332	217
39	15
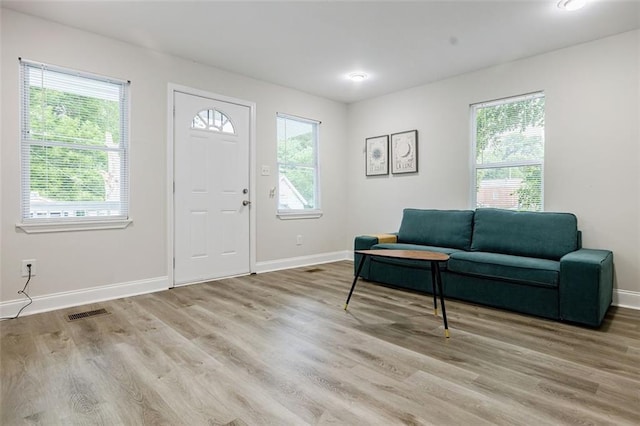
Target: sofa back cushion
440	228
532	234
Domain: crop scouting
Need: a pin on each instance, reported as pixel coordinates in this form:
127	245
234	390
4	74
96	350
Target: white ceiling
312	46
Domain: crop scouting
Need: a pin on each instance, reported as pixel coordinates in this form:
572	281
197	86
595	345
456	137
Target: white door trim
172	88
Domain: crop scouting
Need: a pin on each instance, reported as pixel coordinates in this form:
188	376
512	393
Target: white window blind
74	140
508	138
298	189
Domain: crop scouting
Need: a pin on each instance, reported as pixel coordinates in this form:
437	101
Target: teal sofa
529	262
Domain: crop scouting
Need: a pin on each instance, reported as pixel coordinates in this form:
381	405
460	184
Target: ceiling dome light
358	76
571	5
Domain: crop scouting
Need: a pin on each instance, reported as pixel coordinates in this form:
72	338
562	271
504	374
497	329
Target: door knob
246	202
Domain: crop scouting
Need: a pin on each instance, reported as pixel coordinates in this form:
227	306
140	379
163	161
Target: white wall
78	261
592	151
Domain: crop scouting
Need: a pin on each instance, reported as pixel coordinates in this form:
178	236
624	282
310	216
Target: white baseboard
626	299
297	262
69	299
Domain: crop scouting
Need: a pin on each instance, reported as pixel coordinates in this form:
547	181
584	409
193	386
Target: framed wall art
404	152
377	155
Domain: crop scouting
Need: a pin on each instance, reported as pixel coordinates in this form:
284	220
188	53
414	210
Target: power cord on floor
23	291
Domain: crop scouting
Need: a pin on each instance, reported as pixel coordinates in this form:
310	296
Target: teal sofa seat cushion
531	234
437	228
541	272
404	246
407	262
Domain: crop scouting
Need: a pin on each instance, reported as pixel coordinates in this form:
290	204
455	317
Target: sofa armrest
586	286
365	242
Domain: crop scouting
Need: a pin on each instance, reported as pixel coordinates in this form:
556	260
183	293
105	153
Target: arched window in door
213	121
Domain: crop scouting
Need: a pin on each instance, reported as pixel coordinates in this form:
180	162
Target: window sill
298	214
59	226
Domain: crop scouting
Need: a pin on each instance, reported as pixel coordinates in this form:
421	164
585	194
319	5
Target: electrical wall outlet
25	268
299	240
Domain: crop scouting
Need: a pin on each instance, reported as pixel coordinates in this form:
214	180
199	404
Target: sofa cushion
533	234
408	262
404	246
528	270
437	228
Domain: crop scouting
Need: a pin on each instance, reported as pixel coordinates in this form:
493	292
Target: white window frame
64	223
475	167
302	213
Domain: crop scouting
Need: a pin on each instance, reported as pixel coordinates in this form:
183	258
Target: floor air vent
87	314
314	270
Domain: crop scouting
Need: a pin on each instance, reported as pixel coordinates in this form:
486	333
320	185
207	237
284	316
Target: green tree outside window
509	140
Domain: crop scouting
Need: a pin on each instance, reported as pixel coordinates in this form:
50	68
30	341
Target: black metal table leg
444	312
433	283
355	279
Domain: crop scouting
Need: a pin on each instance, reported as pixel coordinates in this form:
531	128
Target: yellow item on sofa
385	238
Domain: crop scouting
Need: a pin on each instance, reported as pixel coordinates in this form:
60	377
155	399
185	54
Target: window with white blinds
508	139
74	136
298	180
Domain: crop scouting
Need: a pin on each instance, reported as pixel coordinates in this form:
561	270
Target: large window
298	191
74	138
508	136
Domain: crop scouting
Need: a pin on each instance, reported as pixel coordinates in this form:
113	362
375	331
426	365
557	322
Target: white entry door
211	195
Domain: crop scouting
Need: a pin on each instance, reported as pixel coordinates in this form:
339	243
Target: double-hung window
508	140
74	147
298	189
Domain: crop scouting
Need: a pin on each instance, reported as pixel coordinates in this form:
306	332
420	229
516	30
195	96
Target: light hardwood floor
277	348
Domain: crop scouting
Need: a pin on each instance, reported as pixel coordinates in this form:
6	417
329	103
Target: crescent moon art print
404	152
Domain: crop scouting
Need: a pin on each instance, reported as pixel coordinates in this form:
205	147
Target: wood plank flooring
277	348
